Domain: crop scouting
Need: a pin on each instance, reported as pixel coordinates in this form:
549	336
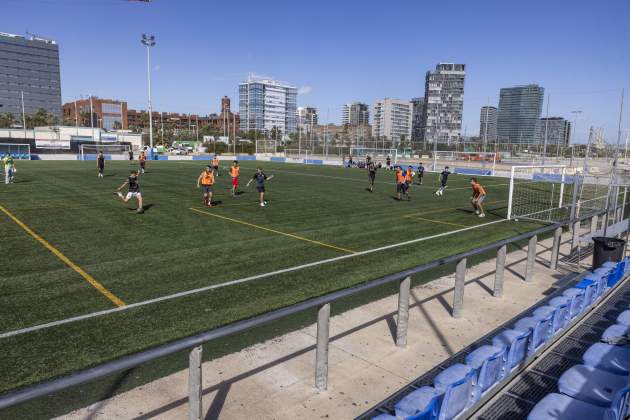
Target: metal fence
323	305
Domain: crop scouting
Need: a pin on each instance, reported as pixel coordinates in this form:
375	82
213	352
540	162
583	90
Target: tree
7	120
38	119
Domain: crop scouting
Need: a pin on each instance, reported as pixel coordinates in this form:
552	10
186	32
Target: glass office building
265	104
29	66
444	103
519	114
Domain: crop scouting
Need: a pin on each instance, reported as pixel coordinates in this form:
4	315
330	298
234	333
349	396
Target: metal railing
322	303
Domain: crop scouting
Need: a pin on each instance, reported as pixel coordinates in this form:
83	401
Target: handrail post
403	312
555	248
195	406
460	282
594	222
499	272
321	352
575	228
531	258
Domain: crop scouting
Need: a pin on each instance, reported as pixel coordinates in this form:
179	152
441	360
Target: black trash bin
607	249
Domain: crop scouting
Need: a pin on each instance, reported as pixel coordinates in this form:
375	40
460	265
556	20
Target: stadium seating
490	364
595	389
615	359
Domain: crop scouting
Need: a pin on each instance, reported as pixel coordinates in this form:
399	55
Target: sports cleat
482	215
119	194
262	204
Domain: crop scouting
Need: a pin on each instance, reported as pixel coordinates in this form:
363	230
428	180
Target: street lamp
575	117
149	41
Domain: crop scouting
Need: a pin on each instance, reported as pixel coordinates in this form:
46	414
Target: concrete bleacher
546	363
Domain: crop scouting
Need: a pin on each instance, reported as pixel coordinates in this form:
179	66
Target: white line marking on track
234	282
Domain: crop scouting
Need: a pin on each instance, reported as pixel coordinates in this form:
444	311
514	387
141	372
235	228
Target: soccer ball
413	174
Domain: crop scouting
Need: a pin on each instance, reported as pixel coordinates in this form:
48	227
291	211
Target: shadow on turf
222	388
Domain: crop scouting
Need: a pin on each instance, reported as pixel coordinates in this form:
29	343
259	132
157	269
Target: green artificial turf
171	248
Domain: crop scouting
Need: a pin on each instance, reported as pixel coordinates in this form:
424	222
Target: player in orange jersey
206	179
234	172
479	194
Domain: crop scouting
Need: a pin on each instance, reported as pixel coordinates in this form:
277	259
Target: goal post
17	150
89	151
375	153
540	193
299	154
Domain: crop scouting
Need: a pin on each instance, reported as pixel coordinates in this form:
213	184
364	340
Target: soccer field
71	248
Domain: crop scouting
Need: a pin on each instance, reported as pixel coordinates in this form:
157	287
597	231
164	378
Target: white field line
234	282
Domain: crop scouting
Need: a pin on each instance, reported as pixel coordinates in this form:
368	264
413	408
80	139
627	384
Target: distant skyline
339	52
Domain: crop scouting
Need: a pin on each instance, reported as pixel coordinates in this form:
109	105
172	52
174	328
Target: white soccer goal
18	151
374	153
300	154
542	193
89	151
477	163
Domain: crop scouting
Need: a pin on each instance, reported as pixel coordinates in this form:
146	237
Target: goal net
542	193
358	153
89	151
299	154
18	151
472	163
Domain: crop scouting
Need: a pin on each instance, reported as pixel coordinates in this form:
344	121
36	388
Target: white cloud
304	90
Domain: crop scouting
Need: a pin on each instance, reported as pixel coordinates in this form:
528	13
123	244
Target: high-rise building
519	114
488	118
444	103
355	114
307	116
225	105
418	114
558	131
106	113
29	67
392	120
265	104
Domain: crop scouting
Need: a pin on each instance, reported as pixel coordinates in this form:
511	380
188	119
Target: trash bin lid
609	242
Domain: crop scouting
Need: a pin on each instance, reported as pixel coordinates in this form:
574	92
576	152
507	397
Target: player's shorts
400	187
142	164
207	189
443	184
372	176
260	189
479	199
235	181
101	168
216	168
420	174
131	194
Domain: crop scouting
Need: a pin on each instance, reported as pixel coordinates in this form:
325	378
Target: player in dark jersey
260	179
388	163
443	180
100	164
133	191
420	172
130	155
371	169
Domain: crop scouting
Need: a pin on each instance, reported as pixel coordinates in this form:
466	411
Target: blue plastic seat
384	417
490	363
617	330
458	384
615	359
562	407
559	314
541	331
590	290
624	318
516	344
421	404
616	269
578	302
591	385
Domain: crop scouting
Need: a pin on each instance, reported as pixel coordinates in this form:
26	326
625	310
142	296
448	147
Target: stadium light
149	41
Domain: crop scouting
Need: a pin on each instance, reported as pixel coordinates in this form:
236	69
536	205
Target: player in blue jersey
443	180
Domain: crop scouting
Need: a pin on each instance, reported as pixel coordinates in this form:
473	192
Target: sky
340	51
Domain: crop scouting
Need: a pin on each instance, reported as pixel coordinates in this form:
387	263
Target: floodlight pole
149	41
24	117
575	117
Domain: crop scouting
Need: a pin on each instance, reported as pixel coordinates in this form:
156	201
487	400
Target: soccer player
9	168
130	155
133	192
260	179
234	171
409	178
215	164
371	168
420	172
206	179
401	184
388	163
100	164
143	161
479	194
443	180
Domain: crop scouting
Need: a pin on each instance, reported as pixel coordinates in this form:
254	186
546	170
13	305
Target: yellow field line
437	221
98	286
290	235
